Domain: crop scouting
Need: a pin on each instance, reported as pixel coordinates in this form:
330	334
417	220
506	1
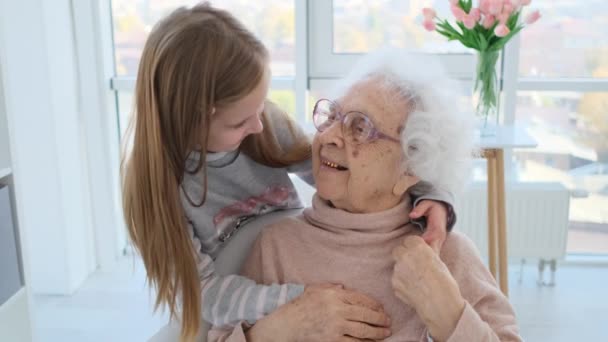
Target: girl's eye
239	125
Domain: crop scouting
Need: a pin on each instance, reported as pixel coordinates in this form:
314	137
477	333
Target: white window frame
95	55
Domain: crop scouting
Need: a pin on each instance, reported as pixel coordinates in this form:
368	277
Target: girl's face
231	124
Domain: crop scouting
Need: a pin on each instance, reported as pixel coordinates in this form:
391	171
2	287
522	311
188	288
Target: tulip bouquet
485	28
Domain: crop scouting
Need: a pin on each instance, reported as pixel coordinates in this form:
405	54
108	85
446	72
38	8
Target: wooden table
507	137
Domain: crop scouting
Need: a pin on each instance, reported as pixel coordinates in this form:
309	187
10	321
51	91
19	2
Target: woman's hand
436	215
422	280
324	313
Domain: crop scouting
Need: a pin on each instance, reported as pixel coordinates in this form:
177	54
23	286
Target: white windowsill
585	260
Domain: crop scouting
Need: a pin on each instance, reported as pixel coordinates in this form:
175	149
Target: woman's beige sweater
328	245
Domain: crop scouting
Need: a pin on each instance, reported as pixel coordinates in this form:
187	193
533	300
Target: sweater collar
322	215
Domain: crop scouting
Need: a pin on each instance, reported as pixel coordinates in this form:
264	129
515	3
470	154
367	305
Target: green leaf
469	45
445	33
466	5
513	21
461	25
445	26
502	41
483	43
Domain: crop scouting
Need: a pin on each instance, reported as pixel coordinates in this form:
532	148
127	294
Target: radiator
537	219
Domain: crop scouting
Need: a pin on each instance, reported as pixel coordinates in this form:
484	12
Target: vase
486	92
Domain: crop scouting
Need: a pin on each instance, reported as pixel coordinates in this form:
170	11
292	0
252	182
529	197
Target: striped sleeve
426	191
228	300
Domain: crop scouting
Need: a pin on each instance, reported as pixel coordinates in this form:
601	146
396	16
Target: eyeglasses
356	126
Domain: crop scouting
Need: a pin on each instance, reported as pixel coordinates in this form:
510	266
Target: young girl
209	155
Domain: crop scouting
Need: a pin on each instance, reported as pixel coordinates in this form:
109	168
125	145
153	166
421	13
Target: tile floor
116	307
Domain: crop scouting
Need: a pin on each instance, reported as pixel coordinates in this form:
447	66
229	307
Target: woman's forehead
376	100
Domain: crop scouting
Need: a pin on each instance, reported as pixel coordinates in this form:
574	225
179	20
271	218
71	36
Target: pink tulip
428	13
484	6
525	2
458	12
501	30
475	13
495	7
532	17
508	8
488	21
503	18
469	21
429	25
516	3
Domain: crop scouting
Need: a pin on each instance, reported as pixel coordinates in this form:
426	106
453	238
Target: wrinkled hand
436	217
422	281
324	313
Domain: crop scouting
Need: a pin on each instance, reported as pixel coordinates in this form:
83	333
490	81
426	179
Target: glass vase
486	92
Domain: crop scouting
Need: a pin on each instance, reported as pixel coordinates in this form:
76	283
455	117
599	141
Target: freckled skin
374	168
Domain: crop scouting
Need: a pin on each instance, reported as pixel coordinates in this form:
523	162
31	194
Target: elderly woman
393	125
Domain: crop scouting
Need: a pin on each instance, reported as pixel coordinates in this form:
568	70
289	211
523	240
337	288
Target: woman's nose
333	135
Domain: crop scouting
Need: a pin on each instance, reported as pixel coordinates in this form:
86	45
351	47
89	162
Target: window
360	26
133	20
555	77
562	98
570	41
341	29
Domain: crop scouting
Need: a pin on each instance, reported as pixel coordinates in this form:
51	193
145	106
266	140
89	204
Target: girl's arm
227	300
425	191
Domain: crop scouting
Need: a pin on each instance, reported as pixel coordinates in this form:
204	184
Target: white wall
40	80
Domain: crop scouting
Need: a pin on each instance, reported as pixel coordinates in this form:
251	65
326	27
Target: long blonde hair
195	59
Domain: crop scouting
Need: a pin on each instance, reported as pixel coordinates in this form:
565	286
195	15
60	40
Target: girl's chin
224	149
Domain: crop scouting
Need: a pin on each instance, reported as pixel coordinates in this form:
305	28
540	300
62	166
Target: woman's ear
404	182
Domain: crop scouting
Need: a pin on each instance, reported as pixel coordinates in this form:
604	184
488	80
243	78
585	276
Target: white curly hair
438	139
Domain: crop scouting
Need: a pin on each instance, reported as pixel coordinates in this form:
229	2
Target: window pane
569	40
133	20
364	25
572	131
286	100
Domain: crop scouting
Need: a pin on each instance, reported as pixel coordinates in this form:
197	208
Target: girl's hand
437	217
422	281
324	313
